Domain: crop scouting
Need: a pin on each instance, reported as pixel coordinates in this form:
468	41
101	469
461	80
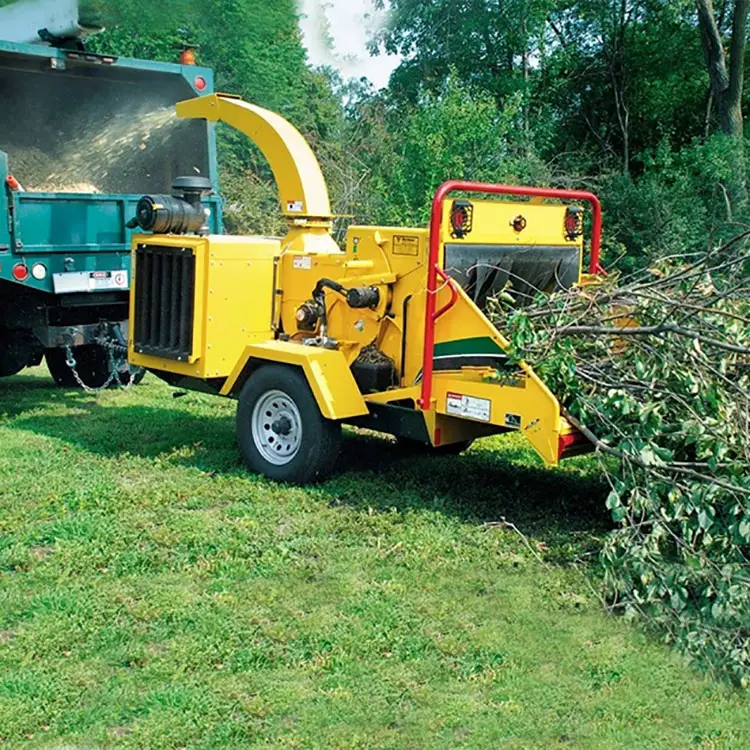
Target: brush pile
655	369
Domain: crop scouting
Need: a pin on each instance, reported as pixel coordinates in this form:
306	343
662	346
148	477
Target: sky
349	23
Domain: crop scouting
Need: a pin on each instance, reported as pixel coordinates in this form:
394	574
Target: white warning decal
302	261
469	407
295	207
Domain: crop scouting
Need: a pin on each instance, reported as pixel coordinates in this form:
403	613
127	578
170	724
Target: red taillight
573	444
200	83
573	223
20	272
462	218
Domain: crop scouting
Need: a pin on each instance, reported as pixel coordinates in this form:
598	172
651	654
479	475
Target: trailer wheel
280	430
92	364
418	448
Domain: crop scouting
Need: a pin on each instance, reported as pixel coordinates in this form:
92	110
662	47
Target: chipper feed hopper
387	333
82	136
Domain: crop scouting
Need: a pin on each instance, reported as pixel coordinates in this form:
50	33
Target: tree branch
652	331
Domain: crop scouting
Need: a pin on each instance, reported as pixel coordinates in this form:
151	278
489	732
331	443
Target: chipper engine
387	333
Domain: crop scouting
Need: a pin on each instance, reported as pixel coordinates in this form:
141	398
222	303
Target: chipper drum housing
386	333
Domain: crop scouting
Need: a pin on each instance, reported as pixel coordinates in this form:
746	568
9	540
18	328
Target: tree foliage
655	370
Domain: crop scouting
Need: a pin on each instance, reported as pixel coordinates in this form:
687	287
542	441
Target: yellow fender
326	370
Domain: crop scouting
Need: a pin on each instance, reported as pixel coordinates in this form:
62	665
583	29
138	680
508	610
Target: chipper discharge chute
386	334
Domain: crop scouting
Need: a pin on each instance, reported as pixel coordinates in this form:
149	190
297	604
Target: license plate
90	281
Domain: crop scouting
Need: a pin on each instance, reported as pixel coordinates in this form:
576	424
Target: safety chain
111	348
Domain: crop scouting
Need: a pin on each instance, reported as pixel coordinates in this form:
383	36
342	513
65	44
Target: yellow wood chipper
387	333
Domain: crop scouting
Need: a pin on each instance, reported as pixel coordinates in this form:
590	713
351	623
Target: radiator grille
164	301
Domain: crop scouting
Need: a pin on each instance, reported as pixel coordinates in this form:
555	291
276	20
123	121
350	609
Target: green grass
154	595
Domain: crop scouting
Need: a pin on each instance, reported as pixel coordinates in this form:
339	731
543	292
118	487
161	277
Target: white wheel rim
277	427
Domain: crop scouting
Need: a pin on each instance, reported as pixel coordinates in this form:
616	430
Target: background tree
726	75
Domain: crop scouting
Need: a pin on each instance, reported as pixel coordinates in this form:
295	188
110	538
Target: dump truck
386	333
82	135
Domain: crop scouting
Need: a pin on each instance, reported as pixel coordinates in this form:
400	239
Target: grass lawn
154	595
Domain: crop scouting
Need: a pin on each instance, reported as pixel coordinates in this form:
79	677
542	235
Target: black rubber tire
417	448
92	364
18	350
9	367
321	438
58	368
136	374
7	371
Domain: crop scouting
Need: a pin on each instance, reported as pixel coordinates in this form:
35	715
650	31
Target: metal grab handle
454	293
434	270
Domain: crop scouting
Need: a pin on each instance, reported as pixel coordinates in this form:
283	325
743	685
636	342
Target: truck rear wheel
92	364
280	430
17	351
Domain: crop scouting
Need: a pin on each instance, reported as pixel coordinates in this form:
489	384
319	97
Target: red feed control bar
434	271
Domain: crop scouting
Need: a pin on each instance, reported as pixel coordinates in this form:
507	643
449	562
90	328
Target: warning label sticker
405	245
302	261
295	207
458	405
513	421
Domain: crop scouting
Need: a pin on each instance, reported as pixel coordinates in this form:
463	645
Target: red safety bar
434	270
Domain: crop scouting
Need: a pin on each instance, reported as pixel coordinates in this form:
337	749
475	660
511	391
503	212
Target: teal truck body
82	138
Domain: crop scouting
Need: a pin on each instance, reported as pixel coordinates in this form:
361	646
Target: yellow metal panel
532	408
517	396
327	372
239	298
302	188
233	302
444	430
493	224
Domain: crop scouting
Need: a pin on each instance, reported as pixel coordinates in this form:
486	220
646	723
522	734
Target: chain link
115	363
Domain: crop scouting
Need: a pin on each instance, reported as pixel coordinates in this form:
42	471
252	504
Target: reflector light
187	57
519	223
20	272
573	223
39	271
200	83
462	218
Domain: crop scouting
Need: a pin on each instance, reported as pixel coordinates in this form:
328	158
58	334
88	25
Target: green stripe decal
479	345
